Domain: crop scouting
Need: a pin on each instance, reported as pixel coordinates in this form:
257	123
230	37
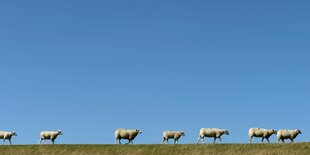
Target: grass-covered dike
157	149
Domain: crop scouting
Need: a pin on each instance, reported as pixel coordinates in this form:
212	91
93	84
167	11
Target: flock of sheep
214	133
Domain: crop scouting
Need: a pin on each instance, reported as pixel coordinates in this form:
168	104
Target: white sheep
7	136
287	134
128	134
172	134
50	135
211	132
260	132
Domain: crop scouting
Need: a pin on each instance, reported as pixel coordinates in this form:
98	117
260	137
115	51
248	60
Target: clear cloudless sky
90	67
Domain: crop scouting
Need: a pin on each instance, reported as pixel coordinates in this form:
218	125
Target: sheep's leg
203	140
198	140
251	139
220	139
263	139
40	141
52	140
268	140
175	141
168	140
282	140
163	141
214	140
292	140
118	141
10	141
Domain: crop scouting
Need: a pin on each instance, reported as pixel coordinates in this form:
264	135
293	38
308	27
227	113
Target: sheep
172	134
51	135
260	132
7	135
211	132
287	134
128	134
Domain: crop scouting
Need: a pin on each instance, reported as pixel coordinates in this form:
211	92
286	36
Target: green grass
156	149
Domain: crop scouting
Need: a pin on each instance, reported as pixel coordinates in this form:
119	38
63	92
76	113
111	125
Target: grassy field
188	149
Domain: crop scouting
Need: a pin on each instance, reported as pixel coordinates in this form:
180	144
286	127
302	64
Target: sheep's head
298	131
14	133
139	131
274	131
226	132
182	133
59	132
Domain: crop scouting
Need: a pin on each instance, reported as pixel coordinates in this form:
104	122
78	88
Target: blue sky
91	67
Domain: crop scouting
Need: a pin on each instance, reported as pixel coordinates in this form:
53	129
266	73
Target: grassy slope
261	149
